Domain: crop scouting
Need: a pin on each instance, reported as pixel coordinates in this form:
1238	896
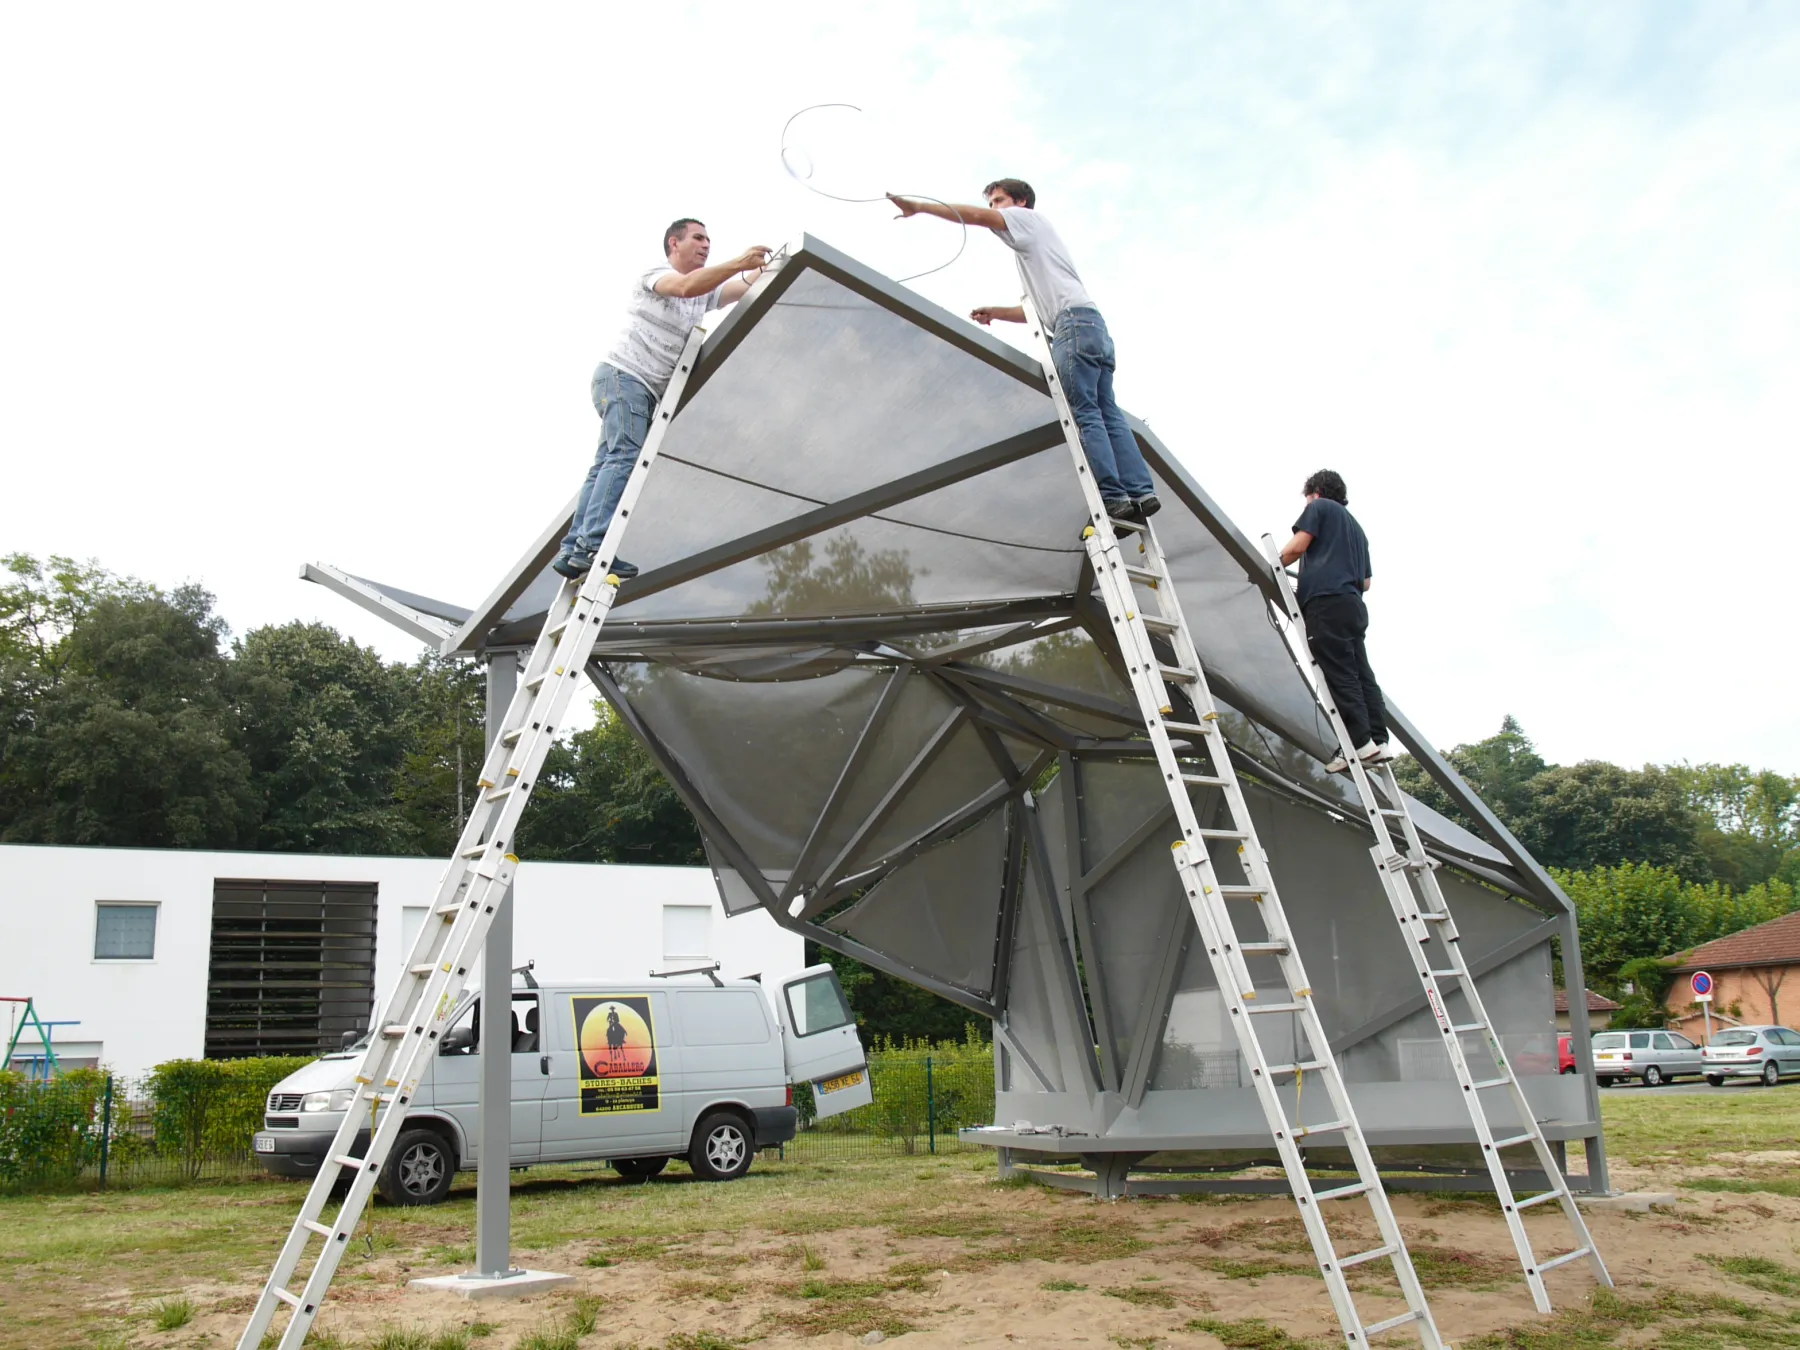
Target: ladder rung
318	1228
1201	727
1142	573
450	908
498	793
345	1160
1446	974
1512	1142
1434	916
473	851
1374	1255
395	1030
1223	834
1564	1259
1539	1199
1390	1324
1202	780
1484	1084
1157	624
1387	811
292	1300
511	738
1119	524
1309	1066
1262	948
423	968
1242	892
1180	674
1342	1192
1275	1008
1460	1027
1327	1127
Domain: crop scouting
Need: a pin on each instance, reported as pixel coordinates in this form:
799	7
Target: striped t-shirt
656	329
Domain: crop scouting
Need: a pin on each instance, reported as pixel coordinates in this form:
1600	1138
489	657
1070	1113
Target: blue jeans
1083	352
625	405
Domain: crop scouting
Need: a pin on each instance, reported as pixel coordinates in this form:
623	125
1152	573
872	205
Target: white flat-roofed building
158	954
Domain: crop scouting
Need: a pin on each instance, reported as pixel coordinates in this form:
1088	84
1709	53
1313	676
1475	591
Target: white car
635	1074
1657	1057
1753	1052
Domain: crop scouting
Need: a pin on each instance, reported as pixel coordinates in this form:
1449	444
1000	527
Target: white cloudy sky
327	282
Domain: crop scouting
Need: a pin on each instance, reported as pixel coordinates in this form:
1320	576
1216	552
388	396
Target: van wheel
1653	1077
722	1149
639	1169
1771	1074
419	1170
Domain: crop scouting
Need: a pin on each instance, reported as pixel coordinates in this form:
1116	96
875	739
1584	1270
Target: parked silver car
1657	1057
1753	1052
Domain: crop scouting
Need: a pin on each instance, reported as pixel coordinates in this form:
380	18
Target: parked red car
1565	1057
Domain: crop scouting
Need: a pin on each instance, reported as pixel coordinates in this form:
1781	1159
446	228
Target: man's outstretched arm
704	279
1291	551
958	214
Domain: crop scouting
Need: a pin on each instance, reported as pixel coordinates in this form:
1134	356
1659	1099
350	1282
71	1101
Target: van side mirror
349	1038
458	1041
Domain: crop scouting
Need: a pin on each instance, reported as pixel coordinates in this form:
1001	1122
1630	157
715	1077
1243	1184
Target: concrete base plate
1636	1202
516	1285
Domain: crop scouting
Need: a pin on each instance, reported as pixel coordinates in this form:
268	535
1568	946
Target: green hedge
204	1109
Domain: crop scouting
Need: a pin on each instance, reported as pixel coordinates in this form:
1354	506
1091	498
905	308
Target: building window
124	932
687	932
293	967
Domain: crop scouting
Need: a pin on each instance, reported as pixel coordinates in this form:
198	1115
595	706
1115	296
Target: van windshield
817	1004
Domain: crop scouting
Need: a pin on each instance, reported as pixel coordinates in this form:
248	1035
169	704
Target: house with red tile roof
1600	1010
1750	971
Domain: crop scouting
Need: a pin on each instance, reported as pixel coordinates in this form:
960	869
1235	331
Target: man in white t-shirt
1079	343
665	305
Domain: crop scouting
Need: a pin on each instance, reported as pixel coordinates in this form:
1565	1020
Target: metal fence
922	1098
192	1121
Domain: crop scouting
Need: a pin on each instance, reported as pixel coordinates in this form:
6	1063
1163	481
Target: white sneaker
1375	752
1338	765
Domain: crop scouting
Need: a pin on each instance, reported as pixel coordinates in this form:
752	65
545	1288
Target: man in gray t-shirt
665	305
1079	343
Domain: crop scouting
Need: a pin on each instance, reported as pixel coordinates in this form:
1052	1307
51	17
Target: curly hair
1327	484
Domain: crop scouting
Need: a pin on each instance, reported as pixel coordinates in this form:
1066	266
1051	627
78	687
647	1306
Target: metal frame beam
849	946
970	812
1060	696
1064	972
1091	968
518	579
830	515
840	790
1009	903
427	628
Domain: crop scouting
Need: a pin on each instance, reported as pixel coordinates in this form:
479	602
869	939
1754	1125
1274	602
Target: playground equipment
931	712
28	1017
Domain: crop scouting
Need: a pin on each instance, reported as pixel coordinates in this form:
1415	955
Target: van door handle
544	1064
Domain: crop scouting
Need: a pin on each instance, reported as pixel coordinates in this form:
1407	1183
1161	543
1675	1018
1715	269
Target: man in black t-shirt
1333	553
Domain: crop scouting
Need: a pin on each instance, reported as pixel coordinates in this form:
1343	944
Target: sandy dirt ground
979	1264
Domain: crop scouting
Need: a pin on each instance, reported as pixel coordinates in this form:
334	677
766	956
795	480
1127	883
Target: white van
633	1074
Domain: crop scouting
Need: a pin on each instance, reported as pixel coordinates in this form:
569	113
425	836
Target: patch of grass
1781	1185
171	1313
451	1253
481	1330
401	1338
1142	1298
809	1259
1251	1333
841	1290
457	1338
1132	1342
1455	1268
1759	1273
1062	1286
699	1340
585	1315
1254	1267
854	1317
551	1338
1674	1130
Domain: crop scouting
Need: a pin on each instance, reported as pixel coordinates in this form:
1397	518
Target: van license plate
845	1080
265	1143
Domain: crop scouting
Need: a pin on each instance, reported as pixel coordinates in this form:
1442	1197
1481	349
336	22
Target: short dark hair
1016	188
678	232
1327	484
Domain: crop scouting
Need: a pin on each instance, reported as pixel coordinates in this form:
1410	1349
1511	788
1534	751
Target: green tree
1500	769
437	780
326	726
119	725
1595	814
1750	816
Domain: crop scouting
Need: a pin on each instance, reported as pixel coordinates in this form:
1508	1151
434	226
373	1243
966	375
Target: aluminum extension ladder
1409	876
1135	626
468	894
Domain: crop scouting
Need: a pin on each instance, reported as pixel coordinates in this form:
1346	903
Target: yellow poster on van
615	1040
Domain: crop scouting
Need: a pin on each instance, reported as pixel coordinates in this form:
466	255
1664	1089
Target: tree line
131	716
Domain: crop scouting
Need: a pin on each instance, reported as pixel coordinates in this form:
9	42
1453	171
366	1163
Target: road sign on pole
1703	987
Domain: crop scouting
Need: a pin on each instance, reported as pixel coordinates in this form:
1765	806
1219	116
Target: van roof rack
710	971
